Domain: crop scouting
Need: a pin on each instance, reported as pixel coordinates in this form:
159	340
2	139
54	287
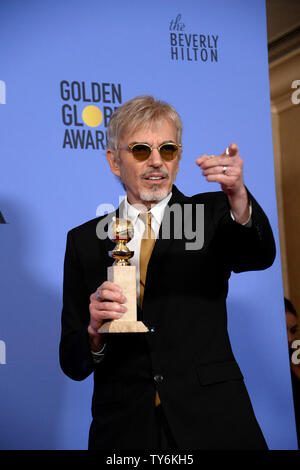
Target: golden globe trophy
122	273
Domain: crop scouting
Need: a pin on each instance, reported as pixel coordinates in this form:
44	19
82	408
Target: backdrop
65	66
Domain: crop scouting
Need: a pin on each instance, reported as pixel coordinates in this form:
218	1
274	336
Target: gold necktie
147	245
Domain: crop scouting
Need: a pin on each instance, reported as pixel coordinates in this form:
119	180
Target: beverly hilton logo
85	112
191	47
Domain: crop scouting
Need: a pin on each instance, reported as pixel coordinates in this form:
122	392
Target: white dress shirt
132	213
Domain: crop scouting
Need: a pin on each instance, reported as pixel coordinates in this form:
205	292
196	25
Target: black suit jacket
187	355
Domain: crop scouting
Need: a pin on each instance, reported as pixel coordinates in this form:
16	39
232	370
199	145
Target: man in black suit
178	386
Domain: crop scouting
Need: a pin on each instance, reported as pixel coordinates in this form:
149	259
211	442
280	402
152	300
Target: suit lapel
163	242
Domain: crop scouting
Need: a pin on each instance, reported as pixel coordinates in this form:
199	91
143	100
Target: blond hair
138	113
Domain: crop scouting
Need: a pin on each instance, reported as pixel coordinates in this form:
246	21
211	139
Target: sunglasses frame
131	147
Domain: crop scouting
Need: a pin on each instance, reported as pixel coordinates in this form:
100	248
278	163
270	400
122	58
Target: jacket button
158	378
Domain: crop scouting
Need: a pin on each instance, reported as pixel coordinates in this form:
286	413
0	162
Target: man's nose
155	159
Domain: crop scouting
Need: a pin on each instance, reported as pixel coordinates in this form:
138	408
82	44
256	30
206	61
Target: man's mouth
155	177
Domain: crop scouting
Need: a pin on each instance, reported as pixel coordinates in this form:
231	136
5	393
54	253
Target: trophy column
123	274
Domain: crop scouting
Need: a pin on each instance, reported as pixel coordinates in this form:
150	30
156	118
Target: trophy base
119	326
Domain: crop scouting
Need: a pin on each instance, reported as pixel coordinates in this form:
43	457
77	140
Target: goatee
154	194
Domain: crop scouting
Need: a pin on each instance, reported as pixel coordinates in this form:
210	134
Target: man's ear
113	163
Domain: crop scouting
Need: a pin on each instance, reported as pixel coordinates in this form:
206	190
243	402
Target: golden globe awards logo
85	112
191	47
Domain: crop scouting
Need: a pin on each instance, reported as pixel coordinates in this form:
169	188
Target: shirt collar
157	210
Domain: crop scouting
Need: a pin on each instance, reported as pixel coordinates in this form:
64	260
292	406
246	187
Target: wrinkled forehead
156	126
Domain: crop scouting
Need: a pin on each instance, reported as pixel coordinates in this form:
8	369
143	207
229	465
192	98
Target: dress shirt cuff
248	223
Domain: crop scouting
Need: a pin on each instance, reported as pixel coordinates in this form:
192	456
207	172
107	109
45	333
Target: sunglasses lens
168	151
141	151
